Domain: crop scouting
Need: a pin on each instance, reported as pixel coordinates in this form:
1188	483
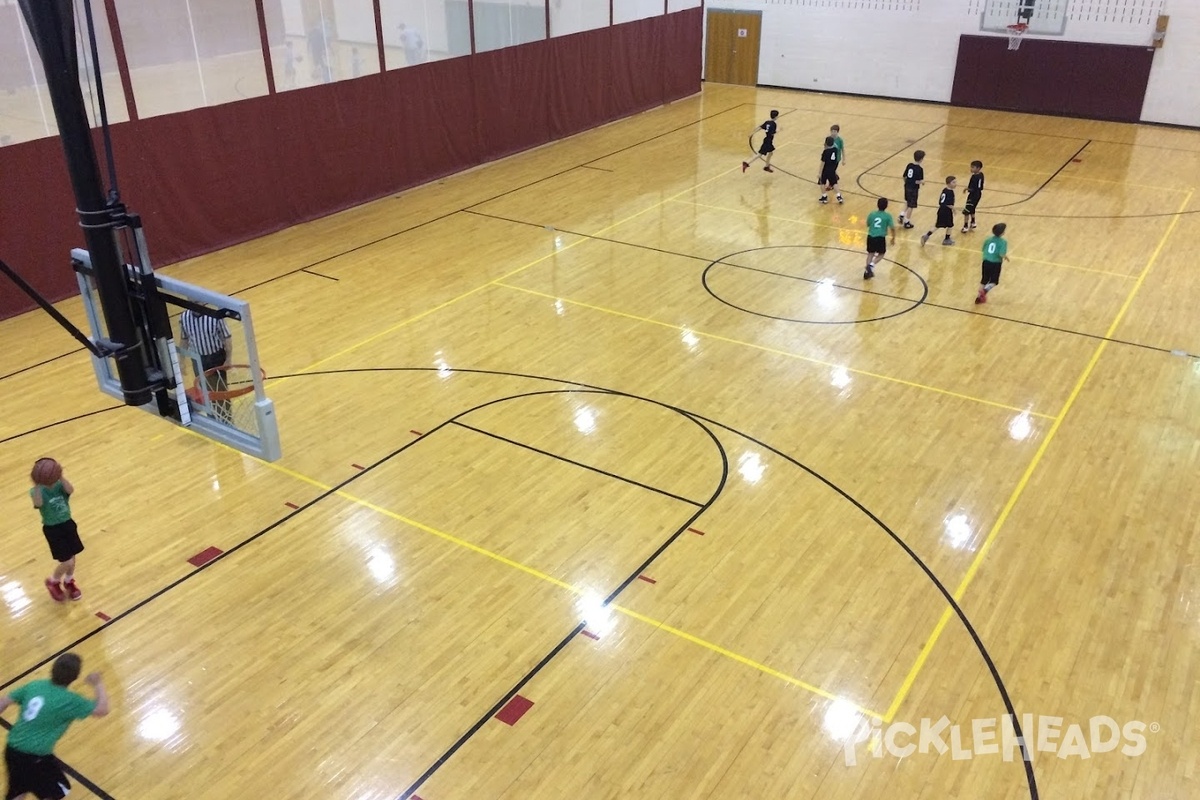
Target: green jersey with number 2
878	223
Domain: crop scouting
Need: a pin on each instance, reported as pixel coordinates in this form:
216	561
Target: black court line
319	275
989	190
43	362
925	302
695	417
593	237
451	213
71	772
970	311
1046	182
59	422
491	712
901	151
580	464
599	169
913	303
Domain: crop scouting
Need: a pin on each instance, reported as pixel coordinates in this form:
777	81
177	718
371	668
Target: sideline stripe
906	687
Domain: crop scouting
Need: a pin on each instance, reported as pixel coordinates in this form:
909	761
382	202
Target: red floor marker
698	533
514	709
103	616
1076	160
591	635
647	580
205	556
292	505
416	433
358	466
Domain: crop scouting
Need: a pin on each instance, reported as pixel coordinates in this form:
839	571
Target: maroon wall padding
1079	79
211	177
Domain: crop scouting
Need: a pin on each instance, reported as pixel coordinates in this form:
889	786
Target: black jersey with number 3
770	126
913	173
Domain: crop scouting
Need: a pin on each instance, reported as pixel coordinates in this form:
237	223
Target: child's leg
64	570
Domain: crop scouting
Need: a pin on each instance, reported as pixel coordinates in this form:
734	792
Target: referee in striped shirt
208	337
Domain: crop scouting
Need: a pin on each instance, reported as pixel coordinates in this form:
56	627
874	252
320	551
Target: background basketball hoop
1015	32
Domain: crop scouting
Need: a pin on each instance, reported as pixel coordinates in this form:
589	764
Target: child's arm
37	496
892	228
5	702
67	487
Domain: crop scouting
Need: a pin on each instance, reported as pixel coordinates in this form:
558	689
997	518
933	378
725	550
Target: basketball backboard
229	405
1045	17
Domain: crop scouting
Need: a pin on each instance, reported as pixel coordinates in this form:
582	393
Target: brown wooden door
731	53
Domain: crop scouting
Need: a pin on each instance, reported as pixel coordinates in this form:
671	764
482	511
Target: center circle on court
815	284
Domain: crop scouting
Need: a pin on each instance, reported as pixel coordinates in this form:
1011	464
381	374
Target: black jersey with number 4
975	187
946	198
830	157
913	173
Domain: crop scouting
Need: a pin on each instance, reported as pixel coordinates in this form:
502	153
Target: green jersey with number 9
994	249
47	710
878	223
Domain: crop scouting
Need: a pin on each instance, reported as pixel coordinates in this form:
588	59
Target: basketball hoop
1015	32
224	383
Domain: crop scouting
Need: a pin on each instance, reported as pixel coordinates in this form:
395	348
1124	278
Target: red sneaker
745	166
72	590
767	169
55	590
981	298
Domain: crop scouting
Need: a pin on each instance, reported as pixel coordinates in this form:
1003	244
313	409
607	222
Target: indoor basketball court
602	472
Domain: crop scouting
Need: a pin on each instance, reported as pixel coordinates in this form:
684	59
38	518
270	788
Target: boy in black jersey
829	164
914	176
768	144
945	215
974	195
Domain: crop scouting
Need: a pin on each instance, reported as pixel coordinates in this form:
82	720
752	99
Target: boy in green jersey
995	253
836	132
53	500
879	223
48	708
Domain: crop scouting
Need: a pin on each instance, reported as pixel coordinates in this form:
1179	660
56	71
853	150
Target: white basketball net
1015	32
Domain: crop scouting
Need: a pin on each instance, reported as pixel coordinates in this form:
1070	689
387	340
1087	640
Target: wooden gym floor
618	367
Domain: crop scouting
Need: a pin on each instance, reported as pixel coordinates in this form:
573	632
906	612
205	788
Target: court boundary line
44	361
575	463
976	312
433	181
775	351
1006	511
497	281
309	504
955	247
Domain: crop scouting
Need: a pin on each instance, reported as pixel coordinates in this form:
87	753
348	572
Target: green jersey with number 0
994	249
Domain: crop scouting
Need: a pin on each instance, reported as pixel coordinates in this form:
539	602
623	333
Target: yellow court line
774	673
581	240
536	573
863	232
906	687
776	351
